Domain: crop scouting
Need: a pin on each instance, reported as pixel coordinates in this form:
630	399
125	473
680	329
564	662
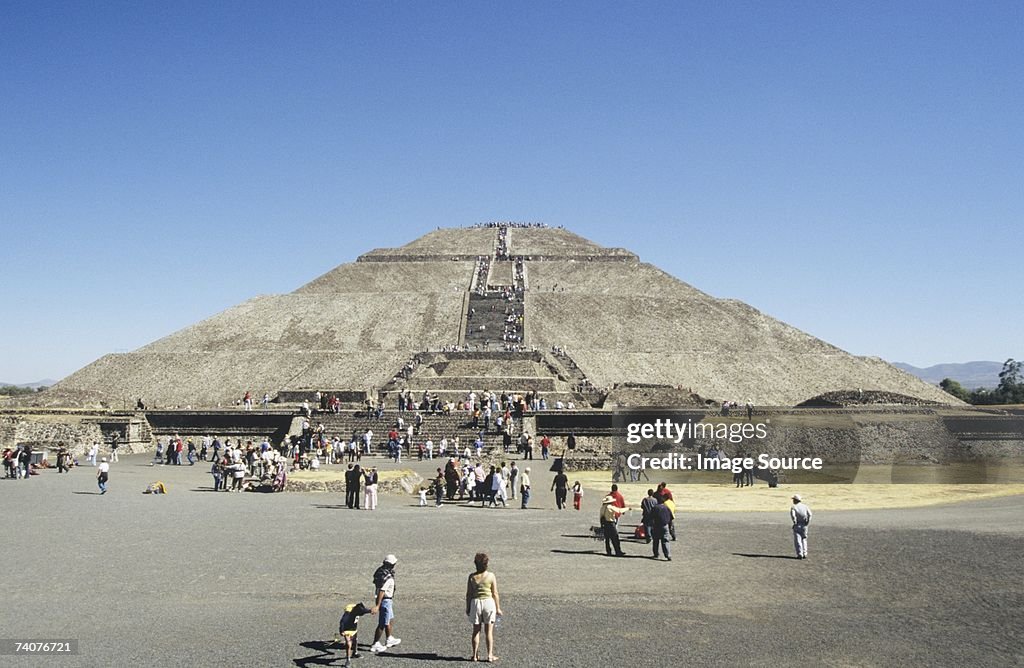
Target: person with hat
801	516
384	593
609	516
102	475
348	628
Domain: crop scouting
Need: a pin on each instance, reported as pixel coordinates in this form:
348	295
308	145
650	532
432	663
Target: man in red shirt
545	446
619	501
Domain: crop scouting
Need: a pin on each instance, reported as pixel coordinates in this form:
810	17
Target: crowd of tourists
509	223
502	250
18	462
728	407
483	270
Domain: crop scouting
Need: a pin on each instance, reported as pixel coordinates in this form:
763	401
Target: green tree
955	388
984	397
1011	382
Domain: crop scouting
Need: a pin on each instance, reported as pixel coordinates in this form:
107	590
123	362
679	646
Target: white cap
796	497
391	559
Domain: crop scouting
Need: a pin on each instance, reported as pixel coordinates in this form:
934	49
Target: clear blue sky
854	169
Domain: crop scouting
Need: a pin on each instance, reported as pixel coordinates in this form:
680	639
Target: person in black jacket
352	477
647	506
661	518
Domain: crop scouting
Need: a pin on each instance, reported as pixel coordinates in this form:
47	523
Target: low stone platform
332	479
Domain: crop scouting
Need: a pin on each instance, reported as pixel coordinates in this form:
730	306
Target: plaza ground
204	579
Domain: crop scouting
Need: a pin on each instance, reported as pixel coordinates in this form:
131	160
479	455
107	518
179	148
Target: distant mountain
46	382
971	375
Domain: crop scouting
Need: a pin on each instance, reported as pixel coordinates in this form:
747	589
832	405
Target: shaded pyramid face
488	288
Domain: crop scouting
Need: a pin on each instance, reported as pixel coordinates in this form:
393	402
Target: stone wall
837	439
77	430
46	432
407	484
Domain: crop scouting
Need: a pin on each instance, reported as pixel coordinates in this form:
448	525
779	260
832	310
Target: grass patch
725	497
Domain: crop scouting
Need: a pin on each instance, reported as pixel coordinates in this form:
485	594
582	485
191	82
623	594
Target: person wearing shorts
384	585
482	605
348	628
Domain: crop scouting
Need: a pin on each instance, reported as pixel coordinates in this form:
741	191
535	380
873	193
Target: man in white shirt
384	586
524	486
497	487
800	514
102	475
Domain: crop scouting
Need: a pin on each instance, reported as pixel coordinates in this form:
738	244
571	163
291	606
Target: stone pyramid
620	320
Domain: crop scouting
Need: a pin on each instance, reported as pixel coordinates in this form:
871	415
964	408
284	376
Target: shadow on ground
599	554
330	652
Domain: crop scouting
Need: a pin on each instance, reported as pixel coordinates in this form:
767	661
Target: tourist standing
647	507
801	516
483	606
438	489
352	475
25	462
63	457
102	476
524	487
513	480
619	500
237	476
451	478
560	485
663	493
660	517
609	515
577	494
217	471
497	487
11	463
370	488
384	607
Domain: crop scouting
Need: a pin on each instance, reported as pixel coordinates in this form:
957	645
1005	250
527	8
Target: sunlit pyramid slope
498	291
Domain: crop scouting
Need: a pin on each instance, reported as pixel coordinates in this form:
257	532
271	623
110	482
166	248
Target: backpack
381	575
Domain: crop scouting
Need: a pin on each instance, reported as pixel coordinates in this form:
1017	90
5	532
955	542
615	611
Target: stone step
468	383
